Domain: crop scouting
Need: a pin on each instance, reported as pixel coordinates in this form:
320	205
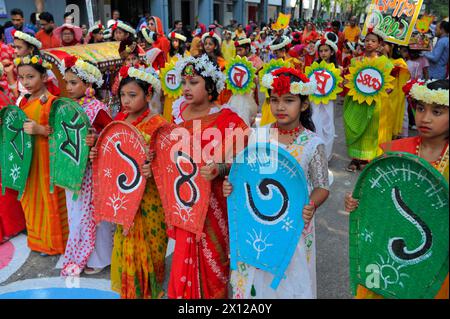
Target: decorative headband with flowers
418	90
286	41
36	60
241	42
27	38
204	67
211	34
95	27
376	31
326	41
84	70
280	83
124	27
175	35
147	75
149	36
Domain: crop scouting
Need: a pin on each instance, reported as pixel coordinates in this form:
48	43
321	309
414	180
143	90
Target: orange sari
45	213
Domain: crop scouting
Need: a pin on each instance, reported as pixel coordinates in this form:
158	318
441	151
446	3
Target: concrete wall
55	7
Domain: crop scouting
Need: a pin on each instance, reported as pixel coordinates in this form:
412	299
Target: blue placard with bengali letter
265	208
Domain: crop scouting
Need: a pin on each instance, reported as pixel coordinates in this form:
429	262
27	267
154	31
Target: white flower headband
86	71
421	92
204	67
147	75
27	38
328	42
286	41
211	34
377	32
149	36
123	26
241	42
175	35
95	27
303	87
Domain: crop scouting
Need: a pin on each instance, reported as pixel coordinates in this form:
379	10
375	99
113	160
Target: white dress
323	119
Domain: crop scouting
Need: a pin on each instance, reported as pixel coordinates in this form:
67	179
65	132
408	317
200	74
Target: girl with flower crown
138	257
431	100
362	121
206	275
12	220
45	212
88	247
289	90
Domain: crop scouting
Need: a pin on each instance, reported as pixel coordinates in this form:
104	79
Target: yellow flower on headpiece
26	60
34	60
296	88
17	61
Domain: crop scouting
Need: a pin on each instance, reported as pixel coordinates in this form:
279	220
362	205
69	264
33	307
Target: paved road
331	233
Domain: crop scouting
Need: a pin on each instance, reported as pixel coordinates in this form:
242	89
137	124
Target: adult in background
69	35
352	31
438	58
46	34
18	22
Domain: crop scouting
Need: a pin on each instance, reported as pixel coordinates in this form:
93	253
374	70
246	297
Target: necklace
292	132
139	119
441	162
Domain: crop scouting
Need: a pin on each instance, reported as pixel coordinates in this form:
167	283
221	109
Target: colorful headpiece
201	66
149	36
376	31
286	41
175	35
27	38
329	39
86	71
241	42
211	34
32	60
124	27
147	75
281	83
95	27
418	90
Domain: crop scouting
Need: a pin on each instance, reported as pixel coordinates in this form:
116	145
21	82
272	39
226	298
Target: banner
264	210
185	194
395	18
369	79
328	79
16	149
401	250
68	150
118	181
240	75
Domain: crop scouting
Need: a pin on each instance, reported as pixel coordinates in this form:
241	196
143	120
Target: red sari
202	269
12	219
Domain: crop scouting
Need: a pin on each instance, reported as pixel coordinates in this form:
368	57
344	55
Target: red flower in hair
236	43
323	41
293	72
114	27
69	61
124	72
13	32
172	35
408	86
281	85
211	33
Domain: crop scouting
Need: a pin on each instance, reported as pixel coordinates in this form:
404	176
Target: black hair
47	16
37	67
438	85
247	47
336	24
130	35
210	85
277	41
333	58
29	45
380	39
142	84
16	12
33	18
176	22
306	115
181	49
217	49
2	30
444	25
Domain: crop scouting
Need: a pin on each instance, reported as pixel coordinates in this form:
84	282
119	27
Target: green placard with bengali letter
399	235
16	149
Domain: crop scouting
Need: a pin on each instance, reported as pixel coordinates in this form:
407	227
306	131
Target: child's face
209	46
32	80
120	35
280	54
241	51
21	48
432	120
131	60
175	44
286	108
371	43
75	87
133	98
325	52
194	90
404	53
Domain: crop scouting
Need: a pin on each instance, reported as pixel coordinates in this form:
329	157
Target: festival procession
158	152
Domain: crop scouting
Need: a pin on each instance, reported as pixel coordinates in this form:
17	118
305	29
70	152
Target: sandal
353	166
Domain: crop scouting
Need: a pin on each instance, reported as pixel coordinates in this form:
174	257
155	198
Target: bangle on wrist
313	204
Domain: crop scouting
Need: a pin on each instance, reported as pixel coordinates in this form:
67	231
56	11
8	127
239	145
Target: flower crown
418	90
82	69
204	67
241	42
175	35
377	32
124	27
327	41
27	38
36	59
95	27
281	84
147	75
286	41
211	34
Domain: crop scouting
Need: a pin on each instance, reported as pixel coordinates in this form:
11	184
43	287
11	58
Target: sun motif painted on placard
328	78
390	272
240	75
258	243
170	84
368	80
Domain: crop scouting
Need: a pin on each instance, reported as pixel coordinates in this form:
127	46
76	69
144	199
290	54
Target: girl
95	34
206	275
228	48
161	42
289	92
45	212
362	121
87	245
323	115
177	45
137	265
12	220
432	103
122	31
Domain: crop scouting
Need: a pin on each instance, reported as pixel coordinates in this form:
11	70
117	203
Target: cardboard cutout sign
396	19
424	23
240	76
16	149
328	78
265	208
171	82
401	250
368	80
184	192
282	22
118	181
68	150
